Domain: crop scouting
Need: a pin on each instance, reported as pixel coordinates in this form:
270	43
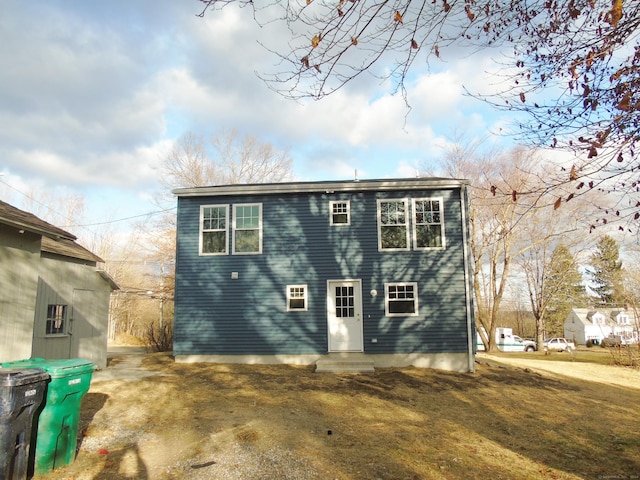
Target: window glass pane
428	235
247	229
214	229
393	237
428	225
214	242
56	316
247	217
339	218
393	226
296	304
247	241
214	218
392	213
405	306
345	302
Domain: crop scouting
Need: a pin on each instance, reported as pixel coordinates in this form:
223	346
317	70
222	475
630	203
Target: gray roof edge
325	186
109	279
23	220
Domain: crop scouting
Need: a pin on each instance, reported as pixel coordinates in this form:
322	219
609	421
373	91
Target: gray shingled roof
17	218
54	239
68	248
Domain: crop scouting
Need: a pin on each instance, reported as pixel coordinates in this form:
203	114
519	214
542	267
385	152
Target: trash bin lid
57	368
15	377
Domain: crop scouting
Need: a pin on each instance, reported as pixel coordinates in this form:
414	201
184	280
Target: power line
156	212
125	219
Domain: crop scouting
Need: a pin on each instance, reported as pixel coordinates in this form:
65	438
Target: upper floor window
393	224
56	319
247	228
428	229
623	320
340	212
401	299
296	297
214	220
401	225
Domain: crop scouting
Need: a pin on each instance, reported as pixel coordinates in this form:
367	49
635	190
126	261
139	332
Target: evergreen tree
563	290
606	272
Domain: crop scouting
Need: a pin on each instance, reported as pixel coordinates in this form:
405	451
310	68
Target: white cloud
98	92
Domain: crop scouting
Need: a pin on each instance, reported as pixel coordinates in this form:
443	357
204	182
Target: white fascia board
326	187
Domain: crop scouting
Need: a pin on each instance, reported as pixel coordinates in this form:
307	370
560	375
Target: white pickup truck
506	341
557	344
528	345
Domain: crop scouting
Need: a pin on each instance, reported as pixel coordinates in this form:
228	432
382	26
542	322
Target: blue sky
93	94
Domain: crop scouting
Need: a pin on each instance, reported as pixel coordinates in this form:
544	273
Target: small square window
340	212
296	298
56	319
401	299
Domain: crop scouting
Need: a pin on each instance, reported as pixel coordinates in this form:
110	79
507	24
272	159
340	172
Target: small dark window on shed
56	319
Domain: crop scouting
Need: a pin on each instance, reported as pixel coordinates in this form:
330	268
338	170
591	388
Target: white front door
344	315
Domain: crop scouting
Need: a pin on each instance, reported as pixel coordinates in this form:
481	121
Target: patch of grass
625	356
250	422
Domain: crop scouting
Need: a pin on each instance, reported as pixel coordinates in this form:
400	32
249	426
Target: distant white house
583	324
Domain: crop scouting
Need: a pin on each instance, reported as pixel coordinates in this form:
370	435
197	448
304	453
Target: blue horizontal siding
217	315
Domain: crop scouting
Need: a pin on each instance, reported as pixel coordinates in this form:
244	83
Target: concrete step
344	365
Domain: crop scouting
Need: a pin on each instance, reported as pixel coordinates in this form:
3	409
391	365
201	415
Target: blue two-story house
303	271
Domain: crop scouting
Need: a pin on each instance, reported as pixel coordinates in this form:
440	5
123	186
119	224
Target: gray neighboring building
299	272
54	301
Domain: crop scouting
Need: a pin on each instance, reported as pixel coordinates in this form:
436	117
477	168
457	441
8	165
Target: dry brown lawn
211	421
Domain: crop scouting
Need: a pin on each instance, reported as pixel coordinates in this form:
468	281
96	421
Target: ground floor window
56	319
296	298
401	299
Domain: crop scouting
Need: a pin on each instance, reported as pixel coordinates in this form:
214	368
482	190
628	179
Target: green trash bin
58	423
22	393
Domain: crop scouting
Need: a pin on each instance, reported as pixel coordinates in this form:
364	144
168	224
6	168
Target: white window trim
306	298
415	299
233	228
331	204
407	223
201	231
414	230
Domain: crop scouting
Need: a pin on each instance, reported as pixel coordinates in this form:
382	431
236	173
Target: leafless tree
504	230
229	159
193	162
544	232
572	67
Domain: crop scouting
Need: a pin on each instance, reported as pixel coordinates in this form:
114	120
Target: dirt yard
557	420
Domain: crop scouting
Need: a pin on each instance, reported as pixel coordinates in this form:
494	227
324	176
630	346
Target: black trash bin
22	392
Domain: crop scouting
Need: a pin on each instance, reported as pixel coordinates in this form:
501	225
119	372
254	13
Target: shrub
160	338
